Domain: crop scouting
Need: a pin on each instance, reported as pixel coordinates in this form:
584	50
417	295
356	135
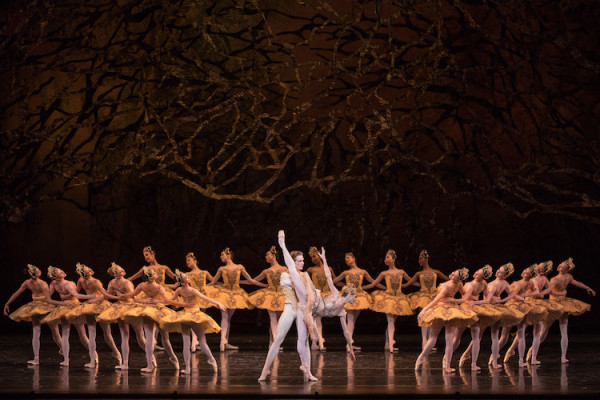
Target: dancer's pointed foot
158	348
263	376
449	370
91	365
463	360
213	364
474	367
122	367
522	364
186	371
529	354
149	369
420	361
175	361
508	355
563	360
118	357
495	365
230	347
65	363
534	362
154	364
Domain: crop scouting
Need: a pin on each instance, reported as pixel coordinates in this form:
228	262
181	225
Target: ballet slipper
474	367
463	360
534	362
118	357
308	376
508	355
522	364
356	348
563	360
122	367
91	365
148	369
263	376
420	361
186	371
96	357
65	363
213	364
35	361
158	348
154	363
230	347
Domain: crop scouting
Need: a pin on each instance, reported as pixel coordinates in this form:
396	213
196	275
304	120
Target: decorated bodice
355	279
273	277
393	283
320	280
231	277
198	280
561	284
288	291
190	298
428	282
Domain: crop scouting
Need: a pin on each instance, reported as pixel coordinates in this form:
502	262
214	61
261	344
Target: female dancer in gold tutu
317	274
198	279
534	313
510	316
69	299
427	277
229	293
354	277
558	292
160	269
554	310
118	286
270	298
487	314
191	318
442	313
392	301
90	309
34	311
151	311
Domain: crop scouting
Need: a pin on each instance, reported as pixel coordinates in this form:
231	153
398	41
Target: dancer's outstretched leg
564	338
205	349
283	326
124	330
35	341
436	328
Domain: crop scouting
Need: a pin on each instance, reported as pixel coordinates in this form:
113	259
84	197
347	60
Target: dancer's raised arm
290	263
328	272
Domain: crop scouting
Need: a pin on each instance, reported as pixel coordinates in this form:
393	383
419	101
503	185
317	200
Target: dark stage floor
374	373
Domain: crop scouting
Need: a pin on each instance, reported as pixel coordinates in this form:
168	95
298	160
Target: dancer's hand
590	291
281	238
322	254
6	310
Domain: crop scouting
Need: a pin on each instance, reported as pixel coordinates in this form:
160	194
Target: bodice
160	275
231	277
287	288
320	280
198	280
355	279
428	282
273	278
393	283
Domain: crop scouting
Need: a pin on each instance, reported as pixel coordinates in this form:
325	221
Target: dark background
467	129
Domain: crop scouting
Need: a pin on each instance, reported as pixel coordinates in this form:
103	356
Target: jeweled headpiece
569	263
348	290
463	273
148	271
179	276
532	270
148	249
487	271
508	269
80	269
351	254
52	272
113	270
312	250
32	270
273	250
191	255
424	254
228	251
391	253
548	266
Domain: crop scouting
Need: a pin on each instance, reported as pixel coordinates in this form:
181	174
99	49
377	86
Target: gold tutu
449	313
63	311
136	314
34	309
88	309
113	313
384	302
420	299
572	306
363	302
192	317
488	314
231	298
533	312
554	310
267	299
510	315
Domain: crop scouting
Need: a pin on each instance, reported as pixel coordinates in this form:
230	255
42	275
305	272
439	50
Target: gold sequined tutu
426	294
533	312
137	314
113	313
554	310
86	309
192	317
267	299
510	315
449	313
363	302
572	306
384	302
63	311
35	309
488	314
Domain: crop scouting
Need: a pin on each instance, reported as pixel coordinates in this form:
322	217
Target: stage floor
374	373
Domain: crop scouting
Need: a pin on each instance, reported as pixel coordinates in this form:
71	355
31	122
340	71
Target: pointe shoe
213	364
563	360
122	367
356	348
96	358
35	361
474	367
174	361
65	363
186	371
230	347
154	363
522	364
534	362
263	376
420	361
508	355
463	360
529	355
148	369
91	365
158	348
118	357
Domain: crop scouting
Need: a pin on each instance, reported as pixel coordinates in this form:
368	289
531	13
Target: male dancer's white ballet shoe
508	355
308	376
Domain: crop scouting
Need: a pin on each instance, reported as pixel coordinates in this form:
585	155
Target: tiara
487	271
391	253
52	272
508	269
463	273
273	250
178	276
112	271
569	263
424	254
80	269
148	249
532	270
